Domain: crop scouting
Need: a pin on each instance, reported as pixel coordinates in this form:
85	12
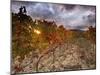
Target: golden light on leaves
37	31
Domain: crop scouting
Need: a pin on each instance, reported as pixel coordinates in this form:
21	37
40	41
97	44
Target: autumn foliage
39	38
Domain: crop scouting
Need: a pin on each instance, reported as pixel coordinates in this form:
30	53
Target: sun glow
37	31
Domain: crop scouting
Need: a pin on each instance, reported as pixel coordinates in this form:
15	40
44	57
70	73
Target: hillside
43	46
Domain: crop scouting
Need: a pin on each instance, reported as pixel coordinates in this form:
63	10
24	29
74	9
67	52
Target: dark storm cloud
69	15
69	6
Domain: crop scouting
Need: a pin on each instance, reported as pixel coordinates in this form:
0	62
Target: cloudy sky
71	16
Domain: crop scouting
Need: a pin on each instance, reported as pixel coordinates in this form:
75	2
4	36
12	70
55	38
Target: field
41	46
